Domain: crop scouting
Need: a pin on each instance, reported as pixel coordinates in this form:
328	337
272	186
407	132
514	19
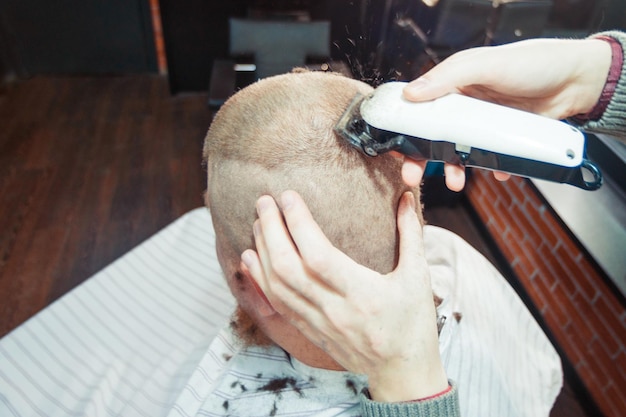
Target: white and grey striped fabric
148	336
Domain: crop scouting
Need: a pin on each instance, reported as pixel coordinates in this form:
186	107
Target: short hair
277	134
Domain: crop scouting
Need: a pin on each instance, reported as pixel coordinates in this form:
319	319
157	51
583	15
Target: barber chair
516	20
460	24
261	48
448	26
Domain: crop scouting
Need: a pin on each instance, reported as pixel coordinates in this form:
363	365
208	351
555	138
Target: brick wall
584	315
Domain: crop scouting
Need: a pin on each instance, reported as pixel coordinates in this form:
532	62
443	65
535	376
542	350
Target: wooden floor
91	167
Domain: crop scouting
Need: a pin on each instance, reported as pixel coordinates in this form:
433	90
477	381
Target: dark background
115	36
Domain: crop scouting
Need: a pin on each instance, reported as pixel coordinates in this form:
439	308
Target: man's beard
247	330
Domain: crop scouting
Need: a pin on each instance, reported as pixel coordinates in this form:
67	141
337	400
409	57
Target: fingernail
412	201
263	203
256	227
286	200
246	258
417	85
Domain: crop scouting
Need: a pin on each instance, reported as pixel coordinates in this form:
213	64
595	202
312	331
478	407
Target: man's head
277	135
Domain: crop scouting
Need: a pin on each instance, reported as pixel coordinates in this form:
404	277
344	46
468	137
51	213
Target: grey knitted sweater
613	120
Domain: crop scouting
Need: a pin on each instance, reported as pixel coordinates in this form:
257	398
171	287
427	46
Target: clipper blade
357	132
351	126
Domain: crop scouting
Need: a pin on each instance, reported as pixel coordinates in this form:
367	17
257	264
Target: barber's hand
383	326
557	78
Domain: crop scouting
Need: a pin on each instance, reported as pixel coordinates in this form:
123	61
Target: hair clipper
465	131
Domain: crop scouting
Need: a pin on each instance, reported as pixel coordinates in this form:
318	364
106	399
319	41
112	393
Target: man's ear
260	301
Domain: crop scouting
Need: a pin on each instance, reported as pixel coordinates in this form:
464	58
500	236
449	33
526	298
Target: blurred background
378	38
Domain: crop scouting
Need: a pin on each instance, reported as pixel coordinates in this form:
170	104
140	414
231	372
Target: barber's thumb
410	230
424	89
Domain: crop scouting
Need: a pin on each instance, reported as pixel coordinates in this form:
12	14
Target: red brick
544	229
620	362
572	351
561	274
514	248
567	253
556	229
588	280
609	317
615	400
543	286
507	199
586	374
493	229
583	321
575	336
571	245
477	203
608	339
610	308
598	366
526	265
517	191
497	218
597	351
590	379
531	197
489	192
522	226
520	183
483	212
473	190
542	255
533	254
618	365
538	299
562	306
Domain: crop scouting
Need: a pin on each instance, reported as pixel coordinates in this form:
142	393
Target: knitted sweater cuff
446	405
613	120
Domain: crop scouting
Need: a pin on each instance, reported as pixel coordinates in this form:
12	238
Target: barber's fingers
327	263
411	245
412	269
454	176
450	76
274	249
287	275
413	172
424	89
253	271
258	266
501	176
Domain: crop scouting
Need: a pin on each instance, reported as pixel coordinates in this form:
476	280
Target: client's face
252	323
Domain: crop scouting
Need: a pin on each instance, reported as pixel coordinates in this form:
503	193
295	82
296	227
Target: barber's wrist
598	83
409	384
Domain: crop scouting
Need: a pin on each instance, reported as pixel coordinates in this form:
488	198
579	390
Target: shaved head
277	135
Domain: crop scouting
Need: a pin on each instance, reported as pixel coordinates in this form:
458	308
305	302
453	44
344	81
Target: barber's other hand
557	78
383	326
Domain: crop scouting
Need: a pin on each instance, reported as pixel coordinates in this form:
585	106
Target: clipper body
466	131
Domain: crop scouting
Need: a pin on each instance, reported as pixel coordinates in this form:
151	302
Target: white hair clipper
465	131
